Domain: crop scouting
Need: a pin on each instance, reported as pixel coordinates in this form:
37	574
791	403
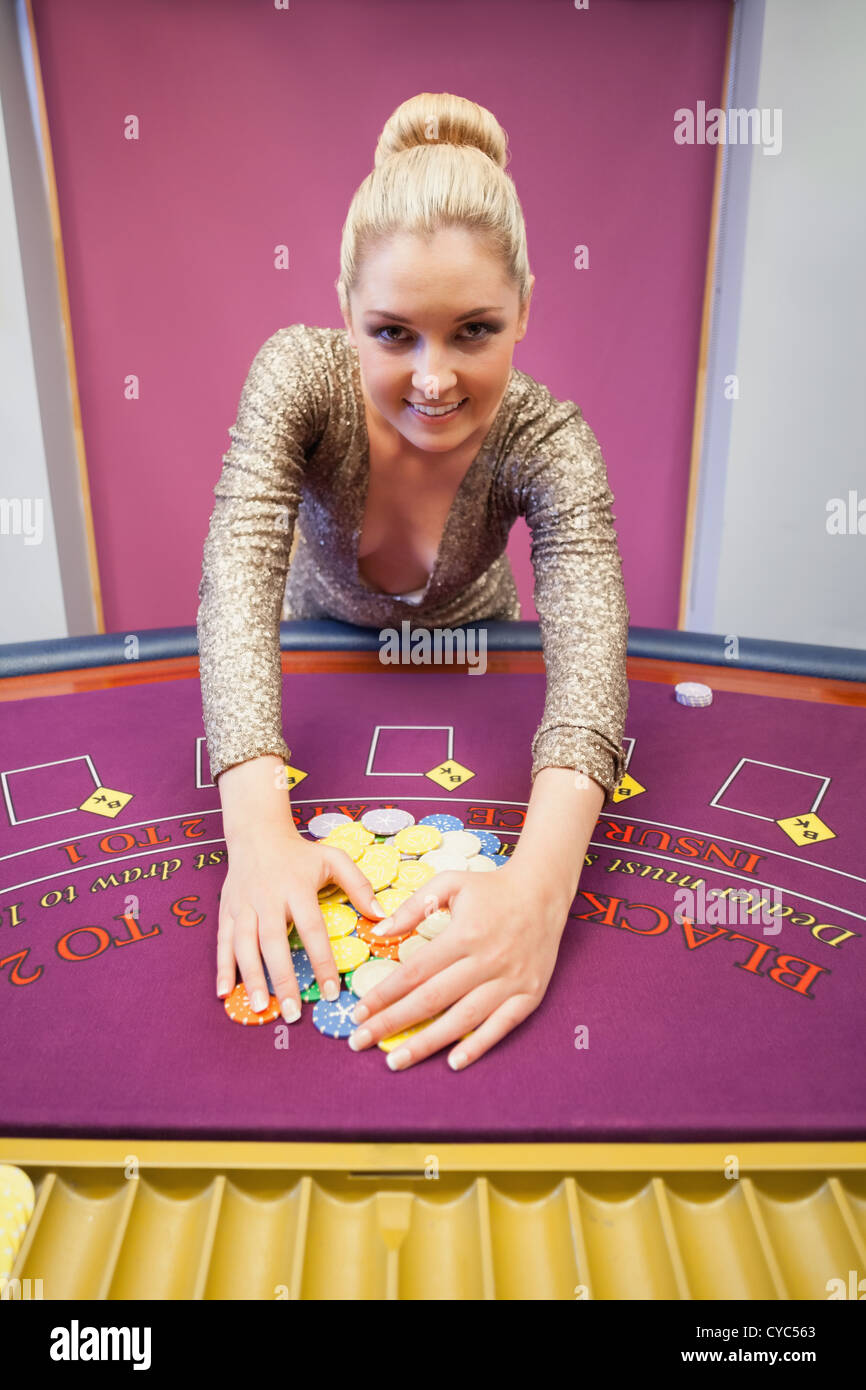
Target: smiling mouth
436	412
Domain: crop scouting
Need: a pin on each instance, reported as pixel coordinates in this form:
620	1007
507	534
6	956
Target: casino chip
440	820
397	1039
693	693
490	843
348	952
460	842
443	860
481	864
339	919
387	820
435	924
334	1019
240	1010
413	874
371	974
417	839
380	865
311	993
303	968
407	948
320	826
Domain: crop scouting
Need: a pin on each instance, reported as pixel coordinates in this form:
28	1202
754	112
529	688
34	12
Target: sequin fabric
297	469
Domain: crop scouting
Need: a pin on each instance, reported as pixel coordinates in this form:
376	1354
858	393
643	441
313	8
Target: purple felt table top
652	1028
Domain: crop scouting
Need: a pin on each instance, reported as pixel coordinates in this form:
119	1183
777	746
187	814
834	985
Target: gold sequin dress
298	467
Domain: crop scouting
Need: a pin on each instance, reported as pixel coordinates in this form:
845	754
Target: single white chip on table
435	924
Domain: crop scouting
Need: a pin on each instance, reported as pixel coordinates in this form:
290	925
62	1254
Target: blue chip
303	968
490	844
499	860
440	820
335	1019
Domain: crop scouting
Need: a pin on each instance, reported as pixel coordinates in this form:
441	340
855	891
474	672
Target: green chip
295	942
347	980
311	993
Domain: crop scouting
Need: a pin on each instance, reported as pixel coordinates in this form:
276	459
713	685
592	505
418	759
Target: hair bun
438	118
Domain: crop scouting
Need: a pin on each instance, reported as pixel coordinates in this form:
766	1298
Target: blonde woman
400	513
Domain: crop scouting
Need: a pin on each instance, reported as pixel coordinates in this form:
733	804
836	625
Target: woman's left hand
483	974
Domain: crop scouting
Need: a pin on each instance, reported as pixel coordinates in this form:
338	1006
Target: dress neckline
462	497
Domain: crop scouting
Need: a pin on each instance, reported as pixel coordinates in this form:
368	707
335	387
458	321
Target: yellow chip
412	874
397	1039
349	952
332	893
339	919
354	848
380	865
345	835
417	839
391	898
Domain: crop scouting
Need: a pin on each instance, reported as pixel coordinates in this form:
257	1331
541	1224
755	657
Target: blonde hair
440	162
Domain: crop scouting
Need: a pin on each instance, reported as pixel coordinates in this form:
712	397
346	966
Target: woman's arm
563	808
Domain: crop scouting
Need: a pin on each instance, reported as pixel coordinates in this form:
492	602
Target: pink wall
257	125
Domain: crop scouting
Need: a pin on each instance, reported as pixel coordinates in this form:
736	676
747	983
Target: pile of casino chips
17	1198
397	855
693	693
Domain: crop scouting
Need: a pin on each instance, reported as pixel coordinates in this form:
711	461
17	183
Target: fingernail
457	1060
399	1059
259	1001
383	926
359	1039
223	988
377	909
331	991
361	1013
290	1011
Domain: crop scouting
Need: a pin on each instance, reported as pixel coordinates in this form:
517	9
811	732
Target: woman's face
435	322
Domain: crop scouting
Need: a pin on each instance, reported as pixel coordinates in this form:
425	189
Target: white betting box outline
798	772
67	810
415	728
199	766
627	744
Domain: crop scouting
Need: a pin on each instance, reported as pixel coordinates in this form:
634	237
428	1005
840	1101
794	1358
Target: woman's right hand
275	874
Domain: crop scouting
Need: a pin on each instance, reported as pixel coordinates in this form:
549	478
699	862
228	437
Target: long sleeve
582	609
248	546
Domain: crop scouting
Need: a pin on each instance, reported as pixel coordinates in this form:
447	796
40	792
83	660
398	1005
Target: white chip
386	820
480	864
435	924
410	946
371	973
441	860
461	842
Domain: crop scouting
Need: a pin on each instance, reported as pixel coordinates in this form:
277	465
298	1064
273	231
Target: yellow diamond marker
807	829
413	874
397	1039
339	919
627	789
294	775
105	802
449	775
417	839
349	952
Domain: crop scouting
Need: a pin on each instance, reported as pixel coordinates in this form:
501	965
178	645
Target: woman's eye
473	337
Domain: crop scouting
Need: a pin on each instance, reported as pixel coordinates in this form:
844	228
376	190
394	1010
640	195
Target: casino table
682	1117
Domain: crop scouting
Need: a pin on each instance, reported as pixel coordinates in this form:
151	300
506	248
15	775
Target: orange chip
388	948
240	1010
364	928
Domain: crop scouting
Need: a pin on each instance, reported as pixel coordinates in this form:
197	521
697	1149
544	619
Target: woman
398	452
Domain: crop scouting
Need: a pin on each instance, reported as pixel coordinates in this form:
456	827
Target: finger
357	887
226	973
427	1001
278	959
495	1027
423	966
437	893
246	948
468	1013
312	930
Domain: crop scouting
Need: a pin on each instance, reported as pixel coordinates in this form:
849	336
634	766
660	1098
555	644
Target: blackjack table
682	1117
